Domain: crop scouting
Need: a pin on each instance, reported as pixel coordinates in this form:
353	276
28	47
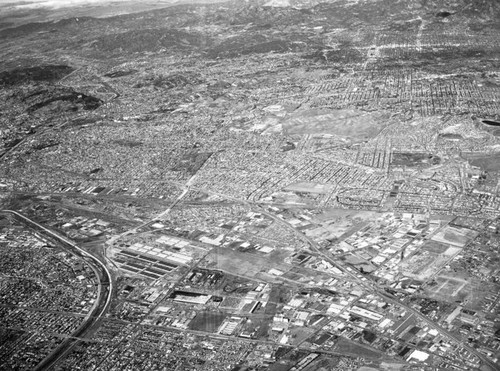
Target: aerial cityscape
250	185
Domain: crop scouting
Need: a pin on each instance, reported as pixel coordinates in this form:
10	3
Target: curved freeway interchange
101	305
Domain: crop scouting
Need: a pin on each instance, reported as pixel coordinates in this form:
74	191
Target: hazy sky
54	3
18	11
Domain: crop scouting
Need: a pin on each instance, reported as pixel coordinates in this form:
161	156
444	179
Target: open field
455	236
308	187
207	321
414	159
244	264
347	123
449	289
340	223
425	264
485	161
349	347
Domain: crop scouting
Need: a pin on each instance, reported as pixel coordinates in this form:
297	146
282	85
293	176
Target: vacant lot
455	236
414	159
486	161
348	123
245	264
351	348
207	321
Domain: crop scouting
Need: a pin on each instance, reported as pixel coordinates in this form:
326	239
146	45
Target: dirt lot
348	123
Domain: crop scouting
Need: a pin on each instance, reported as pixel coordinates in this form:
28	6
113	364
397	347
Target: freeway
367	284
186	188
105	289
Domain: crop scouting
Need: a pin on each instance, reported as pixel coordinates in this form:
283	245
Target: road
368	285
371	287
100	307
163	214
